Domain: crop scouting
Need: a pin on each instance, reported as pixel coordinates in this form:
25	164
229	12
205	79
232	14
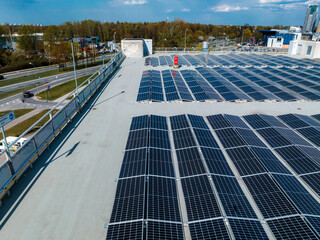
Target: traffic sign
6	119
48	87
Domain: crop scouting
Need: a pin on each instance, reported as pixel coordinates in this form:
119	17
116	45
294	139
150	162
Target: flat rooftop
70	192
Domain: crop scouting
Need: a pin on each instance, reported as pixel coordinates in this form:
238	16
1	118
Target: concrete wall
132	48
275	42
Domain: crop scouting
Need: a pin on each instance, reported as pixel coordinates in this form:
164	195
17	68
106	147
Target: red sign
176	60
84	49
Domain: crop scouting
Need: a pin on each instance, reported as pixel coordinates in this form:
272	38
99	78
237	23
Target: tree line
163	34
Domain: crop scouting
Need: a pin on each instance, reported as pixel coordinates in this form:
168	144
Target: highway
15	101
33	71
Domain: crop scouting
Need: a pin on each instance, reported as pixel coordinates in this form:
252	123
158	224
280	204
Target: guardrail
22	159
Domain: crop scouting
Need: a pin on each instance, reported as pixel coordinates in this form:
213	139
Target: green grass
62	89
17	113
20	128
12	81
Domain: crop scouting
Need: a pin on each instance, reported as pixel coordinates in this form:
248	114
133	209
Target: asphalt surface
17	101
33	71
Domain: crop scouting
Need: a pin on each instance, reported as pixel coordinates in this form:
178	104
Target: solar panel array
250	177
229	60
228	84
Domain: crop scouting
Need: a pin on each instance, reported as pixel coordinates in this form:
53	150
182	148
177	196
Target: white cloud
228	8
169	10
185	10
135	2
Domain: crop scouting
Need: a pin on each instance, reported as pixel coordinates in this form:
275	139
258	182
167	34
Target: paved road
15	101
33	71
46	80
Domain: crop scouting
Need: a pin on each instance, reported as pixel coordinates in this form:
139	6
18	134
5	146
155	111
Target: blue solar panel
291	228
129	200
178	122
158	122
274	138
160	163
247	229
245	161
130	230
159	139
205	138
298	194
216	162
232	197
164	230
183	138
190	162
137	139
134	163
197	122
268	197
298	160
218	122
199	197
208	230
313	181
140	122
230	138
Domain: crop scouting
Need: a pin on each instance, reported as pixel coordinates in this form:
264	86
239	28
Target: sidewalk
22	118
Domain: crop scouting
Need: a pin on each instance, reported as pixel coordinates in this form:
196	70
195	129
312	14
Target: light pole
35	76
74	68
185	39
114	40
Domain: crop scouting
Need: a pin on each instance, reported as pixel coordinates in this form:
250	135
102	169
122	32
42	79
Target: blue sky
235	12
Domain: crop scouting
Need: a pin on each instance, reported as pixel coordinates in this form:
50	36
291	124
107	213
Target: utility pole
185	39
114	40
74	68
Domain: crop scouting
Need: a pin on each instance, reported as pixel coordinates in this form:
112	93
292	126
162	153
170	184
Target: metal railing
23	158
224	50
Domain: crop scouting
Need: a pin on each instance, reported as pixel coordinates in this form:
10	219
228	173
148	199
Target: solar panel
247	229
208	230
245	161
162	199
315	222
159	139
200	200
293	121
313	181
269	160
298	160
139	122
134	163
268	197
274	138
179	122
312	134
190	162
298	194
236	121
216	162
123	231
160	163
229	138
164	230
137	139
158	122
256	121
291	228
232	197
250	137
205	138
197	122
218	122
293	137
183	138
129	200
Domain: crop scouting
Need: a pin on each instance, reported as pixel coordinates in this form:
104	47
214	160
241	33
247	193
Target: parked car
27	94
1	77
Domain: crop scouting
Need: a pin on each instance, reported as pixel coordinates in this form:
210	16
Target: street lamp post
74	68
185	39
35	76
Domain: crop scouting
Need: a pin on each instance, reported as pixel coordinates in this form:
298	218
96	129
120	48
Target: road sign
48	87
6	119
56	77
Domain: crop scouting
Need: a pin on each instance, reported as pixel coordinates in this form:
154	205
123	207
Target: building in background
304	49
280	38
310	19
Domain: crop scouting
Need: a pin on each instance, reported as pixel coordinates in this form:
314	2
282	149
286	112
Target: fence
23	158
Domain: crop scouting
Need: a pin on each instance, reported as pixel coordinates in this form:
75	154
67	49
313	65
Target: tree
26	41
61	51
246	34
